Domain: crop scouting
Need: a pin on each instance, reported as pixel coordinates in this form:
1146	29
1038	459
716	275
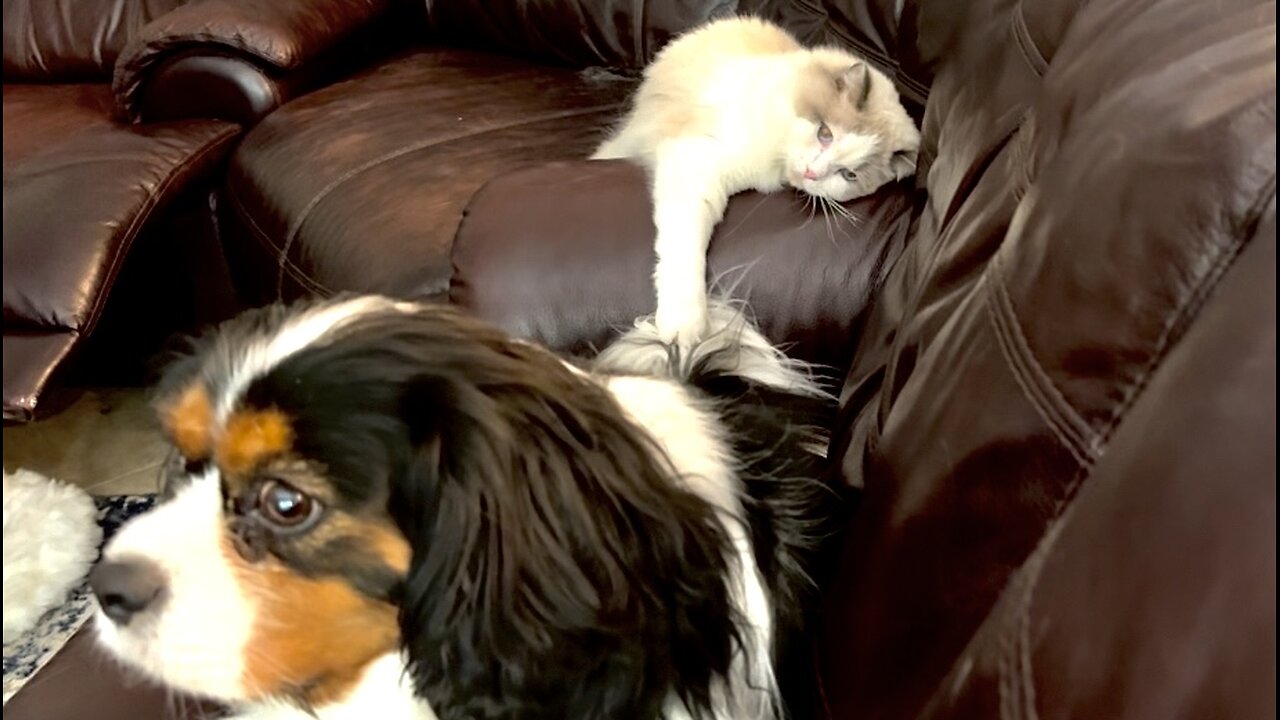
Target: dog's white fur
198	641
303	330
384	691
51	539
735	342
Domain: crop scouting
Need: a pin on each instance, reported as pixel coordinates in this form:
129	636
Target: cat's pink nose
810	175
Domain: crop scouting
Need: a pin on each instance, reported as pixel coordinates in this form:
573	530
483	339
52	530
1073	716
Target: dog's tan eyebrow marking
250	438
188	419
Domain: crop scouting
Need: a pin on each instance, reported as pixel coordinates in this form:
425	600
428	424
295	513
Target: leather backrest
1153	595
1093	170
576	33
71	40
628	34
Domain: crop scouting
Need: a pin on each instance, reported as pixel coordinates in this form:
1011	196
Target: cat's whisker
807	204
811	203
841	213
847	214
826	216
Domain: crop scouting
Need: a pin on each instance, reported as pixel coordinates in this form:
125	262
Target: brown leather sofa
110	236
91	205
1057	349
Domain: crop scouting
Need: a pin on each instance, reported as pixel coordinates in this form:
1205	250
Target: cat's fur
739	104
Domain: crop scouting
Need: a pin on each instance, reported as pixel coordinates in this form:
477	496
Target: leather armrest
563	254
234	59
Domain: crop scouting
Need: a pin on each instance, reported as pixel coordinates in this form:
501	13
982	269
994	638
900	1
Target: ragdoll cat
739	104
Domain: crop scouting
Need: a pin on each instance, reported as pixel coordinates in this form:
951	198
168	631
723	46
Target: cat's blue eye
848	175
824	134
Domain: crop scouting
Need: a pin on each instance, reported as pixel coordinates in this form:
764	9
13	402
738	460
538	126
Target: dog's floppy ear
557	571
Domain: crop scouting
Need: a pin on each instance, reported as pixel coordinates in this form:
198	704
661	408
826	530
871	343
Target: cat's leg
624	142
610	149
689	197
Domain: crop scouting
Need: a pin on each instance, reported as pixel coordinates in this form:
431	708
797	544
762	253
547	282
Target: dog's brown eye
824	134
284	505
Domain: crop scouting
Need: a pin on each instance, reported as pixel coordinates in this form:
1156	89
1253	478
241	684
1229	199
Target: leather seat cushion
78	189
563	254
29	360
360	186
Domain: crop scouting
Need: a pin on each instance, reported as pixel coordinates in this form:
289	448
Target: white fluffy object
51	539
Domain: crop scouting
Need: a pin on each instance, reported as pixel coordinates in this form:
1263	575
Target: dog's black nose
126	587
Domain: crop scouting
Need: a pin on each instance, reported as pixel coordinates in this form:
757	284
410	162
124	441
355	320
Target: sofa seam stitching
1037	387
1192	304
1078	426
282	260
217	142
1026	45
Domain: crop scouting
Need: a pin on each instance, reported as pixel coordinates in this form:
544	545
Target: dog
383	509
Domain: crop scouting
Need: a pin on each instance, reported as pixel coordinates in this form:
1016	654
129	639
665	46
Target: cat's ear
903	164
856	81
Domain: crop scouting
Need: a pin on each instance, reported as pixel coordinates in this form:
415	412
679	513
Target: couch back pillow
71	40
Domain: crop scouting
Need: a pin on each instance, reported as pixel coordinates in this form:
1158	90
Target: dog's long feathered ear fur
557	570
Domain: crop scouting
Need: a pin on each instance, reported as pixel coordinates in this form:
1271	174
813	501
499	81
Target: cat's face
850	136
839	163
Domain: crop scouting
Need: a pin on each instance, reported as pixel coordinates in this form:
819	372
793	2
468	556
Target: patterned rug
24	657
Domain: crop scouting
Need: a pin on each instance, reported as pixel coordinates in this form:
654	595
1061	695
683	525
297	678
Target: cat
739	104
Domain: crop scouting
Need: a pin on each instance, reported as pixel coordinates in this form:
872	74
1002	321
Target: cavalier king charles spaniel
382	509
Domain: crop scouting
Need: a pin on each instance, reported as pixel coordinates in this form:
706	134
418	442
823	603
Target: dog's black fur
557	571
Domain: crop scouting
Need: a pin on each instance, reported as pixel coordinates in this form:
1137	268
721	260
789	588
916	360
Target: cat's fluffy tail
731	346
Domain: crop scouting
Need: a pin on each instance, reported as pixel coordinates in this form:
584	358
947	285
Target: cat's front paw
683	328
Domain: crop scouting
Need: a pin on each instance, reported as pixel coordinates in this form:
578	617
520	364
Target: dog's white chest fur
384	691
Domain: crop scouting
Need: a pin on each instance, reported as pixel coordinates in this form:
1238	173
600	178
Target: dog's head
361	476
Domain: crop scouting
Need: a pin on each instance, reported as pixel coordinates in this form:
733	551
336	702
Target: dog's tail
777	414
732	346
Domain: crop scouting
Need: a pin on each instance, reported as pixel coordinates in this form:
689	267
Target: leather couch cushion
30	359
571	32
71	40
360	186
74	202
1091	176
1154	595
563	254
870	28
77	191
38	117
591	32
578	33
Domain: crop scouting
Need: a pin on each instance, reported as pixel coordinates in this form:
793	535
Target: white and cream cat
739	104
